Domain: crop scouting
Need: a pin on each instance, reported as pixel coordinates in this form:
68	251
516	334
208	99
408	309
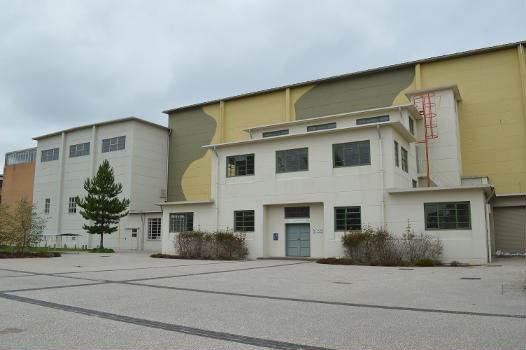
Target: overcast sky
69	63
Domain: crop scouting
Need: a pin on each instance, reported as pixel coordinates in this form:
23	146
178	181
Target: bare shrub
190	243
213	245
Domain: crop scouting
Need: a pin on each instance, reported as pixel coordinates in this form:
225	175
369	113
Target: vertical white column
60	186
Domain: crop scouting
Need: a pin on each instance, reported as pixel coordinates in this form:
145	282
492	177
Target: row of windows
326	126
83	149
344	154
438	216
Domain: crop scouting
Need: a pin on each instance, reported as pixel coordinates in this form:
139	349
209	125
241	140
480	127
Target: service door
298	239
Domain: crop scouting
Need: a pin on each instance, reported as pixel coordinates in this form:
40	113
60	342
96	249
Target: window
351	154
113	144
154	228
415	183
244	221
49	155
411	126
72	205
347	218
276	133
404	160
18	157
181	222
397	156
321	127
47	205
134	232
448	216
240	165
292	160
82	149
379	119
297	212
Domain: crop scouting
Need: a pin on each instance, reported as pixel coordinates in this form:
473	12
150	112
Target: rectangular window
72	208
321	127
448	216
18	157
347	219
47	205
81	149
351	154
415	183
411	126
297	212
405	166
49	155
276	133
370	120
240	165
113	144
134	232
397	156
292	160
244	221
181	222
154	228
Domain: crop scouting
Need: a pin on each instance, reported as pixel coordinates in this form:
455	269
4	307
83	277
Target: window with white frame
181	222
154	228
49	155
72	209
113	144
47	205
81	149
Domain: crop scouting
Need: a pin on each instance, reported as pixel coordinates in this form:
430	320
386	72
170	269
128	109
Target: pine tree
101	206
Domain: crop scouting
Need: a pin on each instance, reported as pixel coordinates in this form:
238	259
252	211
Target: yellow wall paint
490	117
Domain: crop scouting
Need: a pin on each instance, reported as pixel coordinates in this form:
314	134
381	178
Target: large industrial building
18	177
476	151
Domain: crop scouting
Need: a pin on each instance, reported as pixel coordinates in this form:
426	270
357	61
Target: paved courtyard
132	301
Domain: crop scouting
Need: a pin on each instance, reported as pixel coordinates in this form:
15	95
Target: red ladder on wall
425	103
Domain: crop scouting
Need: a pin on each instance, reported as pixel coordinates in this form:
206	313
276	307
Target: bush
214	245
165	256
101	250
425	262
380	247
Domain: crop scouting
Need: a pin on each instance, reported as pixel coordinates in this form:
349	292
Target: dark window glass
82	149
240	165
297	212
352	153
244	221
292	160
405	166
49	155
397	156
276	133
415	184
321	127
347	219
382	118
411	126
181	222
447	216
114	144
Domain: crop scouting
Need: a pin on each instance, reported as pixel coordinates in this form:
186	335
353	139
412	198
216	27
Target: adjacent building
137	151
477	159
18	177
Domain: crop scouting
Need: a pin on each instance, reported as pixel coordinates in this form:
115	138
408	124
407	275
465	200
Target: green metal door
298	239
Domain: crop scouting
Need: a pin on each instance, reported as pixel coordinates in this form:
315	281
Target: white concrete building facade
136	149
296	187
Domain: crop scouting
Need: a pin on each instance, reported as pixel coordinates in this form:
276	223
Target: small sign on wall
275	236
317	230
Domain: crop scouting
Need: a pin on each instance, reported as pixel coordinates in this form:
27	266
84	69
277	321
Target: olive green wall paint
191	129
354	93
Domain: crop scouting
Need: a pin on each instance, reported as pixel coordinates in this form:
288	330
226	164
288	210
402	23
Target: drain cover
104	256
337	282
469	278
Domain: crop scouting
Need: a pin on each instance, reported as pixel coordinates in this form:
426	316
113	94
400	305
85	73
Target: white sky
66	63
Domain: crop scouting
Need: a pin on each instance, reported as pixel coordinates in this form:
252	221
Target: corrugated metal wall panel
510	229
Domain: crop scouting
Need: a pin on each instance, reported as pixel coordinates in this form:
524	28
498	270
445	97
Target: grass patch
173	256
101	250
425	262
335	261
6	248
